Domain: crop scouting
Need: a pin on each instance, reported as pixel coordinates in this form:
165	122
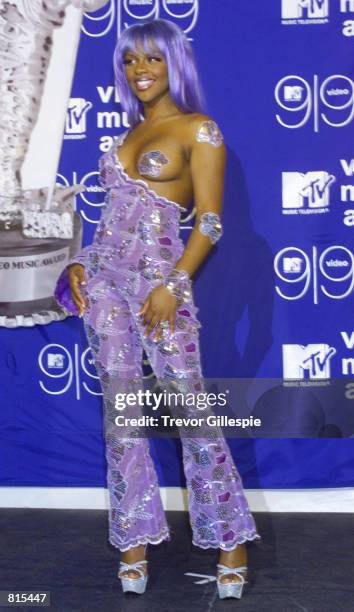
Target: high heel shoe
133	585
230	589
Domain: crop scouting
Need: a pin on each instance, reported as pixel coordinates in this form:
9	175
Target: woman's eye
150	58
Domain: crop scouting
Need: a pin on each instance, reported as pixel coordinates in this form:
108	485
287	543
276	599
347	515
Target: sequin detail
152	163
210	225
135	248
210	132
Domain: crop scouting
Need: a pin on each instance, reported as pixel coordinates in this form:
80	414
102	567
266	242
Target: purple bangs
169	39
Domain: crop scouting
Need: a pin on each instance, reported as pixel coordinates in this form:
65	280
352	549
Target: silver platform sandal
230	589
133	585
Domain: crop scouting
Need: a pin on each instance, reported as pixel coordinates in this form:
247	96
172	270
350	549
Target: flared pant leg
136	514
219	512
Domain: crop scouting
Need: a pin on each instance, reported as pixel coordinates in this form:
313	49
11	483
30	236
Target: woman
133	288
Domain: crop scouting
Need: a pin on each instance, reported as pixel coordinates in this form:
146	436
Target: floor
303	563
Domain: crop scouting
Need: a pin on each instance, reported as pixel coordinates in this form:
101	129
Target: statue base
29	270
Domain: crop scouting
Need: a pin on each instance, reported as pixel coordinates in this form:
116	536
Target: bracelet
179	284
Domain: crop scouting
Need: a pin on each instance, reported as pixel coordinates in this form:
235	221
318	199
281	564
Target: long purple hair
185	87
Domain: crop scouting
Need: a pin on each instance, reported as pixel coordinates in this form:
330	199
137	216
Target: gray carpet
303	563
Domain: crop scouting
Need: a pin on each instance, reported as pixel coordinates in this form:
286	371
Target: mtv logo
55	360
75	121
293	93
297	9
307	362
292	264
310	189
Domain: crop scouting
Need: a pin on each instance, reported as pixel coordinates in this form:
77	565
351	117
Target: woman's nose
140	66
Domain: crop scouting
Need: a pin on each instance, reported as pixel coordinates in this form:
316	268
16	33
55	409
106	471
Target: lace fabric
135	248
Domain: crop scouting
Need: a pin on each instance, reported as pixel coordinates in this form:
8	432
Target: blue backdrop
276	296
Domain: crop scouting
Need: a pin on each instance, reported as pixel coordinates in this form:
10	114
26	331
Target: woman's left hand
159	306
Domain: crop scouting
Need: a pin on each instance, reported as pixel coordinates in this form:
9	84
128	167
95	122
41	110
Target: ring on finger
164	324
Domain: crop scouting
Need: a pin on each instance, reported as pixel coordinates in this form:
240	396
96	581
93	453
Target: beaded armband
179	284
210	225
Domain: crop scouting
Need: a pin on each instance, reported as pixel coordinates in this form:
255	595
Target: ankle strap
223	569
124	567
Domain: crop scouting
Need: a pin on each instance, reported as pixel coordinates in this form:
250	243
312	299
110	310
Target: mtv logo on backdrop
75	122
306	192
304	362
304	10
293	93
55	360
292	265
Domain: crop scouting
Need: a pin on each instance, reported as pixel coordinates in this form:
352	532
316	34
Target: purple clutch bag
62	293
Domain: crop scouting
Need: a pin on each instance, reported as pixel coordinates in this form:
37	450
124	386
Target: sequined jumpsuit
135	246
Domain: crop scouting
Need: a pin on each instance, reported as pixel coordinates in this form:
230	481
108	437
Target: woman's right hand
76	273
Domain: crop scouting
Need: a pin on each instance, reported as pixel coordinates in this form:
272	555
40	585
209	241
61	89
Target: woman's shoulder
203	128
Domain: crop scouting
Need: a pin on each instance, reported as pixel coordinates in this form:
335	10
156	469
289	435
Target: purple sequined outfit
136	245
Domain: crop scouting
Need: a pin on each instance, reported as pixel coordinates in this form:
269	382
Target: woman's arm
207	163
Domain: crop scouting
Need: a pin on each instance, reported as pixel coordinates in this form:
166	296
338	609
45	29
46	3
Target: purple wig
170	40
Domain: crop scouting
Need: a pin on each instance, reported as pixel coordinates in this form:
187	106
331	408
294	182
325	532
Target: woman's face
147	74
